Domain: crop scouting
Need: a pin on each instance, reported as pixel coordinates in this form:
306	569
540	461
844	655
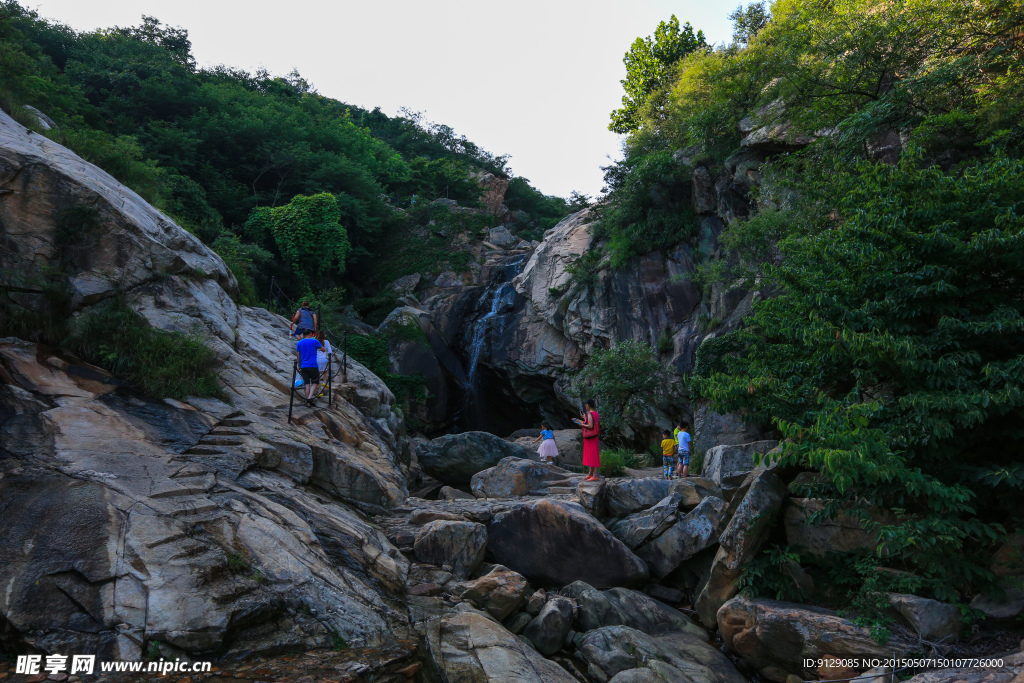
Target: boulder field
214	528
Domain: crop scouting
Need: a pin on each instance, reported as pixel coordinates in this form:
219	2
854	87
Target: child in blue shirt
683	439
548	448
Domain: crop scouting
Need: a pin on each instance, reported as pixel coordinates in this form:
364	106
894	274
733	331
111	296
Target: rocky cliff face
195	526
506	343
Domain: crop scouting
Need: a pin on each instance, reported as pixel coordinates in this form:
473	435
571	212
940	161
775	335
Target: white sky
532	78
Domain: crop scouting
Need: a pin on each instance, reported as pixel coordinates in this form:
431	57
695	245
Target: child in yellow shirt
668	451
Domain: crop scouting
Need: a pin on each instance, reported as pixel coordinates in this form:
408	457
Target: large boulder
729	464
492	195
568	441
1007	605
515	477
715	429
625	607
455	458
199	523
457	544
779	638
548	629
61	211
500	591
469	647
570	446
842	533
626	496
698	530
695	489
557	542
614	649
634	530
501	237
740	542
934	621
592	495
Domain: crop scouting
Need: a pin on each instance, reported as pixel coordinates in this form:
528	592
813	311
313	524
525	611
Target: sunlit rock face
205	525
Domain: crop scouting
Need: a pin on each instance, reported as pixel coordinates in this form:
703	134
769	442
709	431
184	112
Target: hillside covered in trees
868	159
214	147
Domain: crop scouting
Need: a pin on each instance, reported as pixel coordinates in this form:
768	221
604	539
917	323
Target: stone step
174	488
227	431
192	507
216	440
540	492
188	471
235	422
191	550
229	462
562	489
205	450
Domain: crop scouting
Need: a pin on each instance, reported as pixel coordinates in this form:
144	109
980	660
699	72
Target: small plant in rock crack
337	642
770	574
153	650
237	563
868	606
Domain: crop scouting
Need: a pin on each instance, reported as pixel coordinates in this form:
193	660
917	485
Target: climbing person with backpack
304	319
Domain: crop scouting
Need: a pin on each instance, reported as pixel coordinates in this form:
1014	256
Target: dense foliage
625	380
892	356
306	232
160	362
649	64
888	350
212	145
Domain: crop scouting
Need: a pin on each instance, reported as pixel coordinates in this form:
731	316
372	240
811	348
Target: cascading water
480	328
485	329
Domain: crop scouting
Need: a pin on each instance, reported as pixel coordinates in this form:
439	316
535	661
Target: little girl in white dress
548	449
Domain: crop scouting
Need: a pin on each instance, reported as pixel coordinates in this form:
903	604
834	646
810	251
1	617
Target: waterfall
481	335
480	328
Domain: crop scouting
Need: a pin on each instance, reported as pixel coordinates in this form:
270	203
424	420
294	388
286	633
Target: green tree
648	65
892	358
306	232
625	380
748	21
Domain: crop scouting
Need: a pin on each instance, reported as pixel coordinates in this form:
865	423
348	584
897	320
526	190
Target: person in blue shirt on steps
305	356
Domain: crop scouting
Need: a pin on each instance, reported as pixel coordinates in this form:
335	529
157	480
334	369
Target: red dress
591	456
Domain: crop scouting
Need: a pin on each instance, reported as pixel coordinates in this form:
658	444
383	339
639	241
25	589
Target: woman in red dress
591	430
